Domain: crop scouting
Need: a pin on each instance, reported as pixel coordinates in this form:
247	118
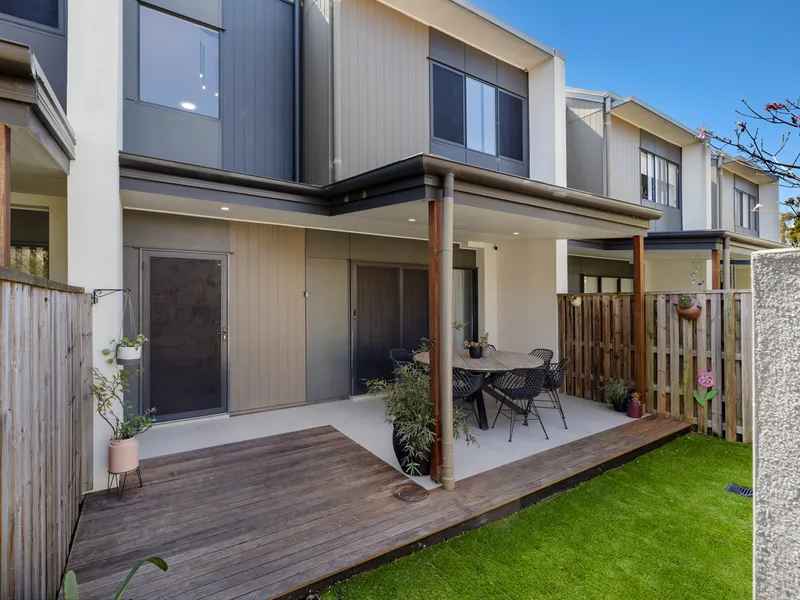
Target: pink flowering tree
781	157
706	380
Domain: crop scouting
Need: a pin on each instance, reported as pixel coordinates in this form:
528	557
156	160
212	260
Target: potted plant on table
409	410
476	349
616	393
688	308
128	351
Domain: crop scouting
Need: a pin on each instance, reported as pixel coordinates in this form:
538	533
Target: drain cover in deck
739	490
410	492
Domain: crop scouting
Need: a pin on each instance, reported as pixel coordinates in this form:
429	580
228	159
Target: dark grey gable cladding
257	87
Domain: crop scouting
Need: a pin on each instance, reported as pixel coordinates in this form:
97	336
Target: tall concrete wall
776	306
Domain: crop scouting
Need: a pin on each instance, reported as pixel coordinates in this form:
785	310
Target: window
659	179
481	117
744	209
178	63
43	12
30	237
591	285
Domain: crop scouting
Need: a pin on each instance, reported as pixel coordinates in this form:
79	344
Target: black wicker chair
554	379
400	357
543	353
520	387
466	385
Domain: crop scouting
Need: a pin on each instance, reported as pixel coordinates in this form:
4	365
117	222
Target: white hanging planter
127	355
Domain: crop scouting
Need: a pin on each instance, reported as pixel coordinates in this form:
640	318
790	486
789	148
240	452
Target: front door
185	319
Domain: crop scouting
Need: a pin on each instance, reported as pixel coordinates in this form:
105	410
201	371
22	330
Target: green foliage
702	400
69	585
790	223
112	390
409	410
615	390
659	528
135	343
686	301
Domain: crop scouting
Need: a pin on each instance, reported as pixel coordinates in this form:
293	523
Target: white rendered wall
57	210
547	105
675	276
727	216
776	304
696	186
94	213
769	219
527	284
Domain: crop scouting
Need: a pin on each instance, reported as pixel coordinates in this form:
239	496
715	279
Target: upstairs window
178	63
659	179
744	205
41	12
476	115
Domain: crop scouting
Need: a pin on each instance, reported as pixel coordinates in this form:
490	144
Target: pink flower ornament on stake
705	379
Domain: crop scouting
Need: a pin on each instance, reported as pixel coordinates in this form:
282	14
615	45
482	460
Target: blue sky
692	59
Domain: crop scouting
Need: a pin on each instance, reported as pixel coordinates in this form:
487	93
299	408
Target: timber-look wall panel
267	317
46	427
597	336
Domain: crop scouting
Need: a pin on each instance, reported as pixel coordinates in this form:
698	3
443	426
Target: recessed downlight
515	233
188	105
224	208
412	220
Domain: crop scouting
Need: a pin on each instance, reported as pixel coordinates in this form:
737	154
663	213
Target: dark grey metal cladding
671	219
257	110
158	131
660	147
474	63
48	44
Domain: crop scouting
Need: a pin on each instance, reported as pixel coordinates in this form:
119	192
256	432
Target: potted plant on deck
688	307
128	351
616	393
123	447
409	410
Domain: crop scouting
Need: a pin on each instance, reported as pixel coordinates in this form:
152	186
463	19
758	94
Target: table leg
483	421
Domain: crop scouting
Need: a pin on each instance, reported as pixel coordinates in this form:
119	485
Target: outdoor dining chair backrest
543	353
555	374
521	383
465	383
400	356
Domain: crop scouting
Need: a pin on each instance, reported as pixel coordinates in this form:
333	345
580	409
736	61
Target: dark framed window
30	241
41	12
476	115
660	179
178	63
448	104
744	208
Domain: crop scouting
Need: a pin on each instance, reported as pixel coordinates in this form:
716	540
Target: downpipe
446	343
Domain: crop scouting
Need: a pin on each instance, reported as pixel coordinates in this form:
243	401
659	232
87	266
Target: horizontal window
660	179
744	208
476	115
43	12
178	63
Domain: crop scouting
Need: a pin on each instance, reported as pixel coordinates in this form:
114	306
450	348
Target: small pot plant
409	410
123	447
476	349
688	308
635	406
616	393
127	351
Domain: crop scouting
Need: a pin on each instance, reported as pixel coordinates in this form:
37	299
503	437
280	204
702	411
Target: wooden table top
497	361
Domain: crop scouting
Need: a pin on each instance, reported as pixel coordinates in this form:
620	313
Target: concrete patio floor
362	421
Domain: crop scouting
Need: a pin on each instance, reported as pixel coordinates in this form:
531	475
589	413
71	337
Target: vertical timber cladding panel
702	359
649	346
623	157
662	316
256	52
268	322
747	367
385	86
729	358
674	358
715	324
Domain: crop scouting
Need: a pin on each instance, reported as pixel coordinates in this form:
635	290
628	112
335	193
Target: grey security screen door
185	319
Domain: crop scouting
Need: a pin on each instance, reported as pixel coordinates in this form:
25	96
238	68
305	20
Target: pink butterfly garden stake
705	379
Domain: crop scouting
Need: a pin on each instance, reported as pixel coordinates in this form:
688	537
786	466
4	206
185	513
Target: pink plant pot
635	410
123	455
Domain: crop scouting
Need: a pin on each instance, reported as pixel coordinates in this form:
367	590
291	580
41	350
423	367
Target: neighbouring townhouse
270	179
625	149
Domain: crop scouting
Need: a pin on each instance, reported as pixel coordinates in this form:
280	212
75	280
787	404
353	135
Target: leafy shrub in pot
616	393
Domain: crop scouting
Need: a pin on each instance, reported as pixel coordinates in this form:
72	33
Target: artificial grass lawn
660	527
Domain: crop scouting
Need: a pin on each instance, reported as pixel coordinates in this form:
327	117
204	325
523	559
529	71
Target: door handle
223	333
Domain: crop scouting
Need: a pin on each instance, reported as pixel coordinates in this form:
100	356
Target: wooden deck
279	516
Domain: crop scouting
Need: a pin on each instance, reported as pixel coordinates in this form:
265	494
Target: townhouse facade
629	150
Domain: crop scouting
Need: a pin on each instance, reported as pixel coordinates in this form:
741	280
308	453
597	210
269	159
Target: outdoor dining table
495	361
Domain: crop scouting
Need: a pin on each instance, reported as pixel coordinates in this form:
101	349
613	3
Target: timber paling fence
597	336
45	428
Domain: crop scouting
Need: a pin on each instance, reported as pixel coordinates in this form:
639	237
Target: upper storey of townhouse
224	84
626	149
